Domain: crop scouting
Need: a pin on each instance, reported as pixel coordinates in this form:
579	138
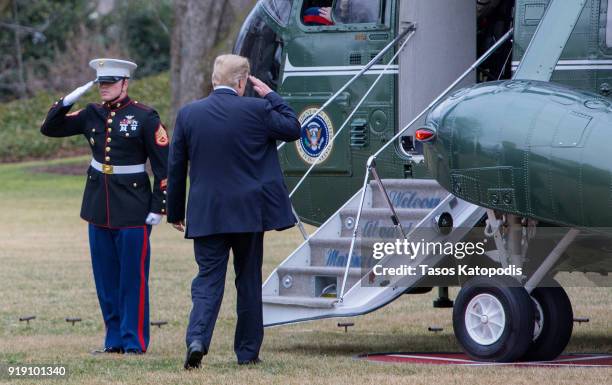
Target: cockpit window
357	11
262	46
279	10
330	12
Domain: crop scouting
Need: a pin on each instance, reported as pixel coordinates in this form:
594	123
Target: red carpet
567	360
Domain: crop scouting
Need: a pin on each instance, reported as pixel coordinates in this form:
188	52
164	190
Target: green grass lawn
45	271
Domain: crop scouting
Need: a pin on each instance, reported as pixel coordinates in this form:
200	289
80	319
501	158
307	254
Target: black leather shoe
195	352
133	352
107	351
254	361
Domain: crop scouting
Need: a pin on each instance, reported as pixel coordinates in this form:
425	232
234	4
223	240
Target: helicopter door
330	43
443	48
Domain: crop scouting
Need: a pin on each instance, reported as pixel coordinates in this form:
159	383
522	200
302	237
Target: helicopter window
279	10
357	11
329	12
317	12
263	47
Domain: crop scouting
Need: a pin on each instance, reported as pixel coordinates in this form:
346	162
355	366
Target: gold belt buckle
107	169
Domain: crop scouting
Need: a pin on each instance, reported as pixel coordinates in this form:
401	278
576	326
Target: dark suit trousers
212	254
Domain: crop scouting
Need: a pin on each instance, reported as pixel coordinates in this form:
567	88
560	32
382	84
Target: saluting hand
260	87
76	94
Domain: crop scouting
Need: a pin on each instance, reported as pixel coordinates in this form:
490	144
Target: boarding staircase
307	285
330	274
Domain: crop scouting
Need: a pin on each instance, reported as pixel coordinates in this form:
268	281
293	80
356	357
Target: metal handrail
478	62
353	112
411	27
372	160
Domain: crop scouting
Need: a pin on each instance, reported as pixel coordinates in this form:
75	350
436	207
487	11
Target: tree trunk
200	28
21	85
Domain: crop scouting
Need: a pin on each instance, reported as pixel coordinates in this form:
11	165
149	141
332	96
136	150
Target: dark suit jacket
236	183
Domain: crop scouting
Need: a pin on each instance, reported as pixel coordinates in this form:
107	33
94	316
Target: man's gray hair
229	70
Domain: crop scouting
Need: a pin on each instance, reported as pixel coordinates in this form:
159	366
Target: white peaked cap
113	67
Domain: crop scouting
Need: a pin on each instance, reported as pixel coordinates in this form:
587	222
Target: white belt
110	169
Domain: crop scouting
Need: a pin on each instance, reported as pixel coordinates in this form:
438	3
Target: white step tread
312	302
386	212
341	242
408	182
322	270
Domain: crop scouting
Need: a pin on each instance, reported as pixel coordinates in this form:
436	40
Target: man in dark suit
236	194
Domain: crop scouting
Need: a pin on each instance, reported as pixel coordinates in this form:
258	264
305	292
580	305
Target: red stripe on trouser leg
141	301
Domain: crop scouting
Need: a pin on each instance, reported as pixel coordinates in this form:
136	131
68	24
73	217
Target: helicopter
487	114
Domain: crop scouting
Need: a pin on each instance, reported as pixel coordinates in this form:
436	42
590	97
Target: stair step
376	223
408	193
408	183
325	303
333	252
319	270
311	281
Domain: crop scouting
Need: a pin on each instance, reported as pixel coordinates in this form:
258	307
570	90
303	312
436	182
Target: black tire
554	304
517	332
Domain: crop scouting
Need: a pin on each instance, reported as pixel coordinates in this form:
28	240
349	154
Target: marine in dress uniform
118	201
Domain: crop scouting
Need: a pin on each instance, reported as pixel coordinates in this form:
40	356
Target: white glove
153	219
76	94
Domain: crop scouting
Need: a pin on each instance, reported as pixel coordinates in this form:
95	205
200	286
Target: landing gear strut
443	301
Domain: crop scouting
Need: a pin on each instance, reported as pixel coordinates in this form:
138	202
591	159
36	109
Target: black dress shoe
195	352
133	352
254	361
107	351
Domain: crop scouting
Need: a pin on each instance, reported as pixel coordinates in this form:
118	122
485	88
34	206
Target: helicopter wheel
493	319
554	322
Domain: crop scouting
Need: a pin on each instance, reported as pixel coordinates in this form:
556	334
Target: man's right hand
260	87
325	12
76	94
180	226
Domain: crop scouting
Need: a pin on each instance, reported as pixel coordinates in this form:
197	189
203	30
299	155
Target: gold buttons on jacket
163	211
108	140
135	185
113	113
109	121
93	130
118	105
108	149
127	134
109	129
107	159
164	201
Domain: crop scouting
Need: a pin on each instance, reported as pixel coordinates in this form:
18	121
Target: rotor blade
549	40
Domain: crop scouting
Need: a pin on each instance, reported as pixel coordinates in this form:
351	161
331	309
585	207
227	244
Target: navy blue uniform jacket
236	183
120	134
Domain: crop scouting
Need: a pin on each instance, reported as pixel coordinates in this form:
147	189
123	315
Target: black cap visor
109	79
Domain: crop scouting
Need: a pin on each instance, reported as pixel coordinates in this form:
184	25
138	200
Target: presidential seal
316	137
